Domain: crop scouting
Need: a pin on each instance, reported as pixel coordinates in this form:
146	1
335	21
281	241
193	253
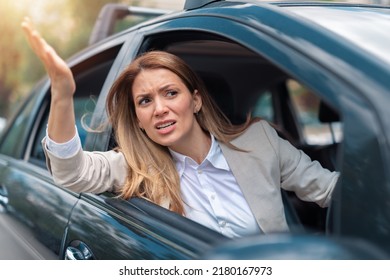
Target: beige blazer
269	164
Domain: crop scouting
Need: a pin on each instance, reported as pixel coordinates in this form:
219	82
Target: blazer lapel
263	196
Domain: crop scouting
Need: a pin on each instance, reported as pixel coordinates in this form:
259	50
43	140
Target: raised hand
60	75
61	126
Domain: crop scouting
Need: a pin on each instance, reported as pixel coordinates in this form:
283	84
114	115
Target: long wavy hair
151	170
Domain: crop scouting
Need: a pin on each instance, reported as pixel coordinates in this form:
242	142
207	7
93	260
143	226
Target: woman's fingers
41	48
37	43
57	69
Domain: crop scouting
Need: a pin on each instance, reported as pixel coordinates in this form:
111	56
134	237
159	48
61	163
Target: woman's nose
160	107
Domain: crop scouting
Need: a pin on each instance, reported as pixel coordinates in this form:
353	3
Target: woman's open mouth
165	125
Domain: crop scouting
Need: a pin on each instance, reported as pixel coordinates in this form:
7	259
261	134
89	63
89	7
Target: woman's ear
197	101
140	126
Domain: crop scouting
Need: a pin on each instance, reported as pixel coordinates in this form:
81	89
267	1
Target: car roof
362	25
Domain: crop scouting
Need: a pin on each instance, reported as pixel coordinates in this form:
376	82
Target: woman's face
165	108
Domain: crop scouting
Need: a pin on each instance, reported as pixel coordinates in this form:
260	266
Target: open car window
244	82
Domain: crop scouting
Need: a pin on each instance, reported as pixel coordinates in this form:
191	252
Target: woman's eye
143	101
171	93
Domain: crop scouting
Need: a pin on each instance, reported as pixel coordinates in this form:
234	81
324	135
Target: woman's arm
307	178
61	124
79	171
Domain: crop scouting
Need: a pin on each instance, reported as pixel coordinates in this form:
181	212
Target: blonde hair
152	173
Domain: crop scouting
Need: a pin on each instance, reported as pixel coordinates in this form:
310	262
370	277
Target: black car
320	72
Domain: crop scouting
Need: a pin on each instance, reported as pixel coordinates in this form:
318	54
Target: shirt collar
215	157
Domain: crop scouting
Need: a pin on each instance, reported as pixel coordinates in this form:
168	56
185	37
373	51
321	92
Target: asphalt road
17	243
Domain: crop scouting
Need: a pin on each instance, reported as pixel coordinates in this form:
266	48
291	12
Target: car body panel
125	232
40	209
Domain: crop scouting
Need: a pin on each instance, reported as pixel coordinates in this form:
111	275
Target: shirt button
213	196
222	223
200	171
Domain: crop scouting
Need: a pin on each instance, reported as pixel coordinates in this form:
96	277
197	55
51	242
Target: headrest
327	114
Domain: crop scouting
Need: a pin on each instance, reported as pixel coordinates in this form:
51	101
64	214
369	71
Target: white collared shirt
209	190
212	196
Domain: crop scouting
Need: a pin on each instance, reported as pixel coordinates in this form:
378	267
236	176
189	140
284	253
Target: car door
107	227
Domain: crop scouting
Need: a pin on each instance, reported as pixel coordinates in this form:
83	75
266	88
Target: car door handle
78	250
3	195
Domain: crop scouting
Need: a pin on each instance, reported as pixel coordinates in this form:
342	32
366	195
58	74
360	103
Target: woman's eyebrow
165	87
141	95
161	89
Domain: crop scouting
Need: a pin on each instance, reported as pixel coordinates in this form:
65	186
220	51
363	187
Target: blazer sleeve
93	172
298	173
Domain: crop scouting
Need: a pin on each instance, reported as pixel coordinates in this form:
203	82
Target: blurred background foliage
65	24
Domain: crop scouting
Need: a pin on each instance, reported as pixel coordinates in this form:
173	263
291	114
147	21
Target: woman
177	149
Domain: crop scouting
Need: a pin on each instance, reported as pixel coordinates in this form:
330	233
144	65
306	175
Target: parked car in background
320	72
